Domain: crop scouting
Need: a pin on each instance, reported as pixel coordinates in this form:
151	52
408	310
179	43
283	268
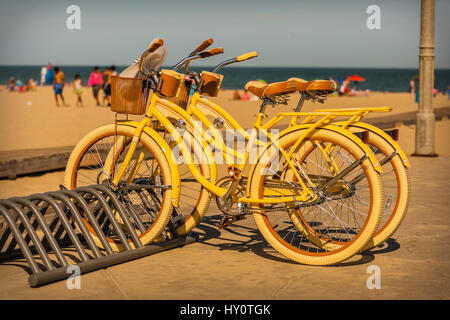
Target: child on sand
78	88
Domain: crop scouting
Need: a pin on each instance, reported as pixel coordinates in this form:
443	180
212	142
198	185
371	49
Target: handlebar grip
210	53
158	42
205	44
246	56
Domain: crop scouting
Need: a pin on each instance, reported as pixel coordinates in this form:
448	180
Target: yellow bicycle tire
150	144
345	251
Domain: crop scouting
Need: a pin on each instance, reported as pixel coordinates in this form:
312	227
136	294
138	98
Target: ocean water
392	80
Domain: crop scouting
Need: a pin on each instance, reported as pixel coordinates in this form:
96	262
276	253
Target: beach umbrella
356	77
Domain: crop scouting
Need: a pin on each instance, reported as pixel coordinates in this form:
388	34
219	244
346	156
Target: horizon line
211	66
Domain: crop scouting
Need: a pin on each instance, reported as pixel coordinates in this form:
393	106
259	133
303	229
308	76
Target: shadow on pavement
242	238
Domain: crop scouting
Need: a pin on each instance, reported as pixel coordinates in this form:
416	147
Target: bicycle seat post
300	102
264	103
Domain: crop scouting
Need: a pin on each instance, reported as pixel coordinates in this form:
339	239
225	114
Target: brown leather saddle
263	90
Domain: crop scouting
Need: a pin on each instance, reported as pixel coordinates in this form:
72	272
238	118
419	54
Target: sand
31	120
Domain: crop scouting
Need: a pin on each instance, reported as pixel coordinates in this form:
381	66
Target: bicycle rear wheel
396	186
332	228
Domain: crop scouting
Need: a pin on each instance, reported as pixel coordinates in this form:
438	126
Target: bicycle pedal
227	221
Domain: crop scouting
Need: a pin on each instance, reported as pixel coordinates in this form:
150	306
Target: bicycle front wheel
145	188
334	226
194	198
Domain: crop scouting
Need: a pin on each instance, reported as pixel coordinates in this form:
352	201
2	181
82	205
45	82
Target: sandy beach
31	120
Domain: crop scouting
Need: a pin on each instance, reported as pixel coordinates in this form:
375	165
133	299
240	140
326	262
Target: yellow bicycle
389	153
269	195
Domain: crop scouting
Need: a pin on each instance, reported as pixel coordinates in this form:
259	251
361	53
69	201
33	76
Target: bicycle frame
200	106
217	141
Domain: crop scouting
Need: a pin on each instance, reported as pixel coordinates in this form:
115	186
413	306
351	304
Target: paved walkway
238	264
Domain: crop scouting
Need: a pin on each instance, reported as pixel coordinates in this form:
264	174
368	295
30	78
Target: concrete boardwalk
238	264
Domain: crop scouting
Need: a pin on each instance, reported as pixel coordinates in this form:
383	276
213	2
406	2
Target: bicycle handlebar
246	56
205	44
210	53
158	42
242	57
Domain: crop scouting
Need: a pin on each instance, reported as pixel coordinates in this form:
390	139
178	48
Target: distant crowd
101	81
20	86
98	81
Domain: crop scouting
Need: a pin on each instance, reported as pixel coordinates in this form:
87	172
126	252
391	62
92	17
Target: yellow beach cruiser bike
138	163
389	153
383	143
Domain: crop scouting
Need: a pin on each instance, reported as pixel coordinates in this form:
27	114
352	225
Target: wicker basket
211	83
171	82
175	88
129	95
182	97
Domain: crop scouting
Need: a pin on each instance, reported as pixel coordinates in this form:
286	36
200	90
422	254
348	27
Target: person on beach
12	84
244	96
78	88
31	84
113	71
95	82
43	74
19	85
330	78
344	89
49	74
107	86
412	86
58	84
236	95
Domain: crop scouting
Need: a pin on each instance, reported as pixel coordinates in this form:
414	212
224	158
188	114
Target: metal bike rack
39	226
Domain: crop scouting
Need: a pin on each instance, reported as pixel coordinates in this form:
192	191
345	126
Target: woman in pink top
95	81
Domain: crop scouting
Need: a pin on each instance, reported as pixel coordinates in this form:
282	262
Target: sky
299	33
